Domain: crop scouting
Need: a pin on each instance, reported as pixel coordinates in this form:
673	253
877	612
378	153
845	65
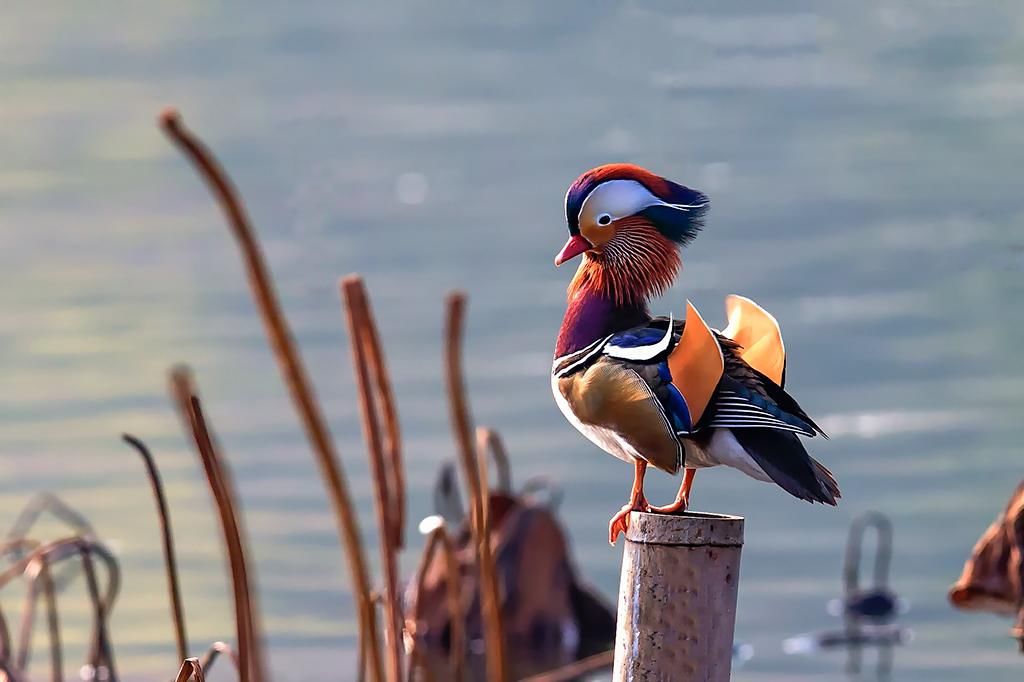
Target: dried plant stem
439	538
102	654
170	559
190	669
215	651
52	622
489	441
461	423
294	373
251	664
5	639
360	324
576	669
385	405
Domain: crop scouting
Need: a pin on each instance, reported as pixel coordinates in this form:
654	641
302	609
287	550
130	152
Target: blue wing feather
673	402
632	338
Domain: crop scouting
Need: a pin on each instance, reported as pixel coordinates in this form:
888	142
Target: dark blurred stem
52	621
577	669
251	664
295	377
214	652
391	440
101	654
461	424
170	558
191	669
488	441
359	322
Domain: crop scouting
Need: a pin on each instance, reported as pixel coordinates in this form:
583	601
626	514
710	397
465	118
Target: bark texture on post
677	597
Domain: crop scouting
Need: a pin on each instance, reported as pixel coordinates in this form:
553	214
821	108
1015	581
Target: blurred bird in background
654	390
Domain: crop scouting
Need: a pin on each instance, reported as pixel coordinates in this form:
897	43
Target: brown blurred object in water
993	576
551	617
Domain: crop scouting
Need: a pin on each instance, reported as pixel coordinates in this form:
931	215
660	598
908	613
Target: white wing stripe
587	353
642	353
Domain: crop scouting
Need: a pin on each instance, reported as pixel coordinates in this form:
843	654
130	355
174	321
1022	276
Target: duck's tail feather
783	458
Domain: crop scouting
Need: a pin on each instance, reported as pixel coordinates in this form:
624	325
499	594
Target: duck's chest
615	410
601	436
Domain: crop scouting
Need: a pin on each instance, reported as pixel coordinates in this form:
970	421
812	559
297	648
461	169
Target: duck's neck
592	314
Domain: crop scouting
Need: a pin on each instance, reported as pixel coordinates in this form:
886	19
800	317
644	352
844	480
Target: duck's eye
604	219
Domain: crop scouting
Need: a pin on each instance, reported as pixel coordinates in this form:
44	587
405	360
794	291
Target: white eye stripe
620	199
616	198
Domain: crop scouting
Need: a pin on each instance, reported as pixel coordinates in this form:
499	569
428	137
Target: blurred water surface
863	162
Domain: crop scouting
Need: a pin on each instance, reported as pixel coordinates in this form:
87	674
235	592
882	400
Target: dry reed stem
84	548
191	668
360	324
5	639
40	579
28	613
46	501
439	537
488	441
461	423
251	664
294	374
102	654
52	622
166	532
576	669
387	412
39	572
215	651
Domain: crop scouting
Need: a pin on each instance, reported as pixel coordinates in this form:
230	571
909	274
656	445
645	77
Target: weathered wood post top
677	597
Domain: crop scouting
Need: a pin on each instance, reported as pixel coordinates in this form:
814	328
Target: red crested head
629	225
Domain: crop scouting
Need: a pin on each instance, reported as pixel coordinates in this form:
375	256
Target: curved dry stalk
102	654
360	327
577	669
5	639
191	668
457	641
39	574
461	423
215	651
294	374
488	441
251	663
62	549
385	405
84	548
52	622
43	502
170	560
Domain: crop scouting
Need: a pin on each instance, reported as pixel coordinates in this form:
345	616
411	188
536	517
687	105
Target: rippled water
863	162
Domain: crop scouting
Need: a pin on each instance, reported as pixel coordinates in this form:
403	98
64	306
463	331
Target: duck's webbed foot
637	502
620	522
682	501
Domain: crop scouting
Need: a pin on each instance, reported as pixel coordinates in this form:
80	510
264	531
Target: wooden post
677	597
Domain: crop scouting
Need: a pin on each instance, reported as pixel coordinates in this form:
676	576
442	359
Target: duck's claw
680	505
620	522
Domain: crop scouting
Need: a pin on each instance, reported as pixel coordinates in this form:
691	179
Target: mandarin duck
655	391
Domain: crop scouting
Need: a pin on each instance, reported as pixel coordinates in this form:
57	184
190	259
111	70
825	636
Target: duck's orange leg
637	502
682	498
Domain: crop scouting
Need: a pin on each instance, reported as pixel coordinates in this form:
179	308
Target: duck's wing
758	333
747	398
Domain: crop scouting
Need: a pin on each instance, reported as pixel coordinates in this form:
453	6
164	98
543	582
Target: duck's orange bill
576	245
